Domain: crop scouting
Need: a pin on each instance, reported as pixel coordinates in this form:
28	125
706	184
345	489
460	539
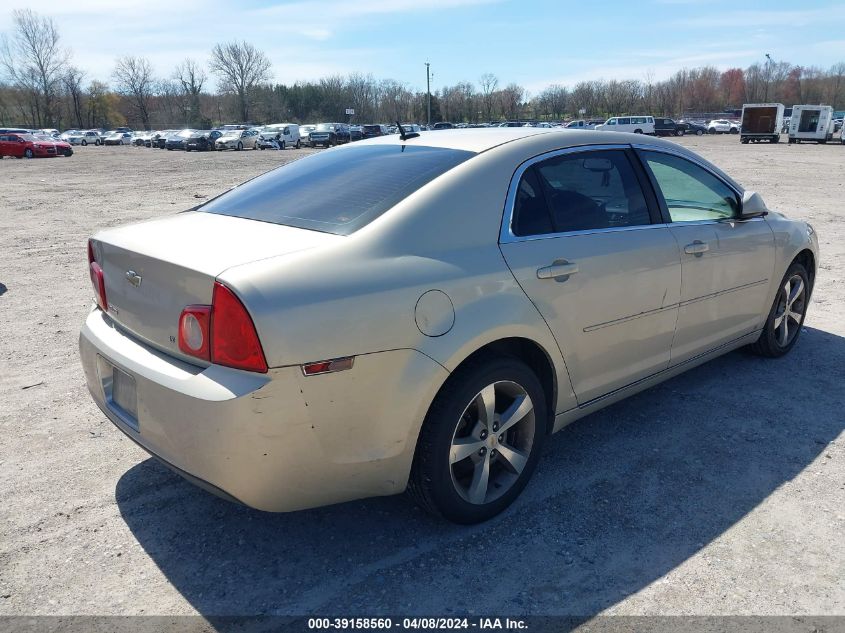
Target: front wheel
240	146
282	145
28	153
679	132
298	145
699	132
480	441
84	143
783	325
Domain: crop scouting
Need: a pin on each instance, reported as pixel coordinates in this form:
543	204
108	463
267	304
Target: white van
635	124
286	134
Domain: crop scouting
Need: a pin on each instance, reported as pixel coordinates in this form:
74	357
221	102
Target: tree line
40	87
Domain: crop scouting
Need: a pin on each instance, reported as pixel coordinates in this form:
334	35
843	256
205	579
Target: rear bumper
277	441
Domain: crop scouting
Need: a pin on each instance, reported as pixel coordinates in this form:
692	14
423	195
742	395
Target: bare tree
191	77
72	82
240	67
35	61
134	78
489	82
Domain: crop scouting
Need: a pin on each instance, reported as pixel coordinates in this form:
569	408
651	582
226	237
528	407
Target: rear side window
337	191
578	192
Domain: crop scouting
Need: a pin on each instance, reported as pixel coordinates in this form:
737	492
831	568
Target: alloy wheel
492	442
790	310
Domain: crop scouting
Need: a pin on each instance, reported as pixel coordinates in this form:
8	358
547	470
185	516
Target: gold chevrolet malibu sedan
419	312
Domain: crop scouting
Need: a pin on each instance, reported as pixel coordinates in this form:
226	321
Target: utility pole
428	91
768	76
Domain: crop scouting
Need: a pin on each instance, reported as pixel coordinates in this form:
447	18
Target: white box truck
761	122
811	123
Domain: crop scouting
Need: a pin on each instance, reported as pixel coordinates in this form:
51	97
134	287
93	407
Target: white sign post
350	112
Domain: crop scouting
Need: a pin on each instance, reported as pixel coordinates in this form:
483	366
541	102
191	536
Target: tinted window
577	192
337	191
625	121
691	192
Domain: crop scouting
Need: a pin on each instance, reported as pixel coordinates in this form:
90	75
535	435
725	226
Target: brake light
222	333
194	331
234	340
98	279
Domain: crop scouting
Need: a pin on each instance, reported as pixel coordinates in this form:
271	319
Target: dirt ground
721	491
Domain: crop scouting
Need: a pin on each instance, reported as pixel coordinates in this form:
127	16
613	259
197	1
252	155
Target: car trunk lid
154	269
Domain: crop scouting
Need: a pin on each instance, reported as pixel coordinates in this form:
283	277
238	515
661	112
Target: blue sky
530	42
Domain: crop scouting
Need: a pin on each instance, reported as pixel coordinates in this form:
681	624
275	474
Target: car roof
533	141
479	140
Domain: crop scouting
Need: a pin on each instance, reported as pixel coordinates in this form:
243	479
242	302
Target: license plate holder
121	394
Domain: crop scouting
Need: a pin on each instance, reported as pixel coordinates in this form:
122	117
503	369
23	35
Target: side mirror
752	206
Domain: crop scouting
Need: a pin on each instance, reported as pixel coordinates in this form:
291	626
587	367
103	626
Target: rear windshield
337	191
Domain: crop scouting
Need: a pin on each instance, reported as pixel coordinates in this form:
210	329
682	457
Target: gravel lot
721	491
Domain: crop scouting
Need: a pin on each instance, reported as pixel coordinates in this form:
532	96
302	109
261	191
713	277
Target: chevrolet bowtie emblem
133	278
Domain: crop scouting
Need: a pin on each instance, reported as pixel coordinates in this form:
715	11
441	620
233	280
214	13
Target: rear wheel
282	145
712	130
480	441
638	131
786	317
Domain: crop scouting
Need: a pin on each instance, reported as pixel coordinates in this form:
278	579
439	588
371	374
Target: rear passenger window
578	192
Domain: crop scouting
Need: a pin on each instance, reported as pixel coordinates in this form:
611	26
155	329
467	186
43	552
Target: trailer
761	122
811	123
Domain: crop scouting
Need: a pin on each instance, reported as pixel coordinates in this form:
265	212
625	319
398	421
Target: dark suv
372	131
668	127
330	134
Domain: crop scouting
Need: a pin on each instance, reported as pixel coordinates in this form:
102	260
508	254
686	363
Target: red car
29	146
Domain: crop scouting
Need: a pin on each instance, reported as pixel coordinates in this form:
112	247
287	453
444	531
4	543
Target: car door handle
558	269
696	248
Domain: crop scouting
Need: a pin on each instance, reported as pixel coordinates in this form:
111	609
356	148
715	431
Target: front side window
578	192
337	192
611	122
691	192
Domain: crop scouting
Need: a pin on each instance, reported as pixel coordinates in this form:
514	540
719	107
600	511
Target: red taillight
194	331
98	280
234	341
222	333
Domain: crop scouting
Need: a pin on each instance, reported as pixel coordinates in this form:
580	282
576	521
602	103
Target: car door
726	263
584	239
4	142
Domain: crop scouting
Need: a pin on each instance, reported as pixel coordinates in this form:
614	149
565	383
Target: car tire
699	132
786	316
84	143
28	153
679	132
282	145
638	131
298	145
460	471
68	153
240	146
712	130
733	130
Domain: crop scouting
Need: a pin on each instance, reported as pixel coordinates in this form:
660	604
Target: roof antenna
405	135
